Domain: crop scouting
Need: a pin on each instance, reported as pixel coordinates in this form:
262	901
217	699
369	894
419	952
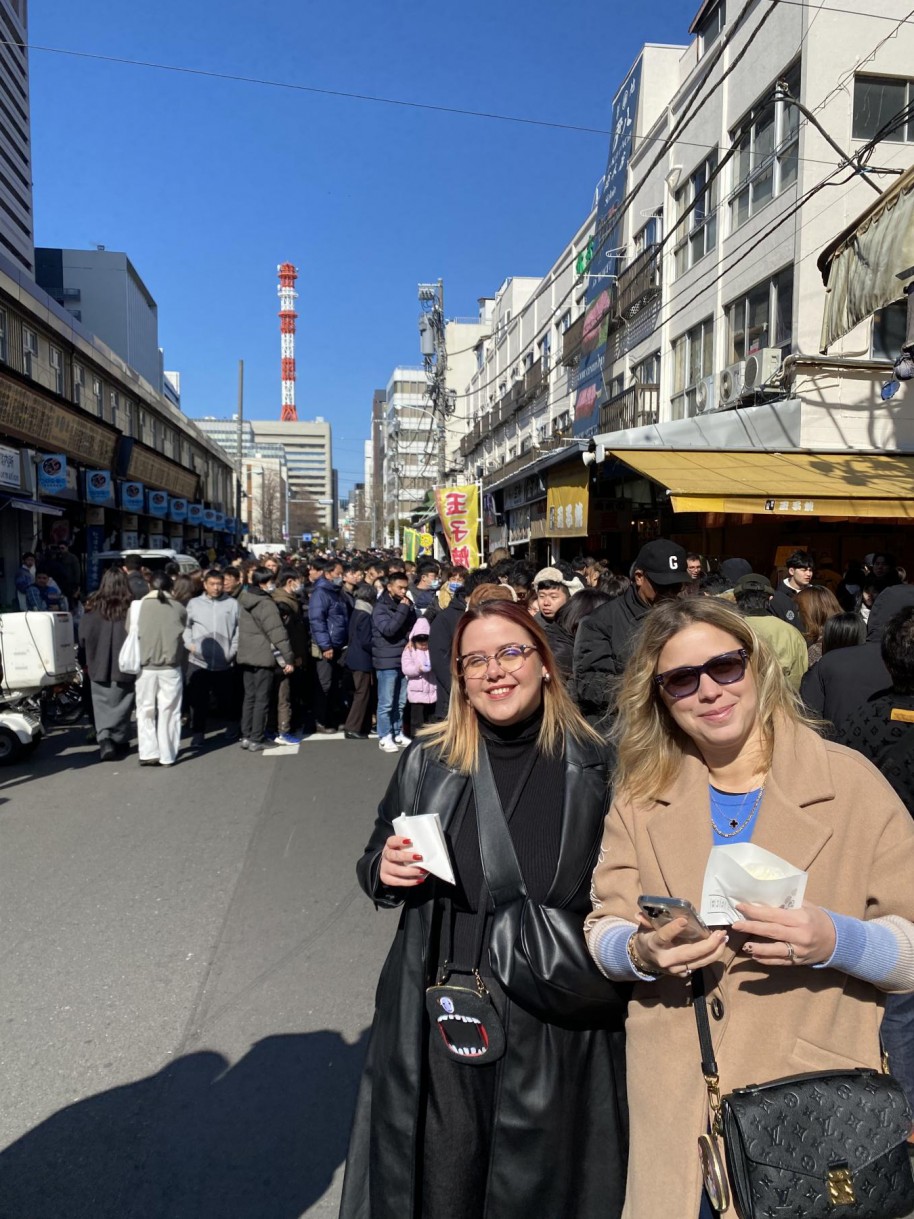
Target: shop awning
32	505
791	484
868	265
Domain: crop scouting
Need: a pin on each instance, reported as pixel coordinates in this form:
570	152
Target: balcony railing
534	380
638	283
525	459
637	406
571	342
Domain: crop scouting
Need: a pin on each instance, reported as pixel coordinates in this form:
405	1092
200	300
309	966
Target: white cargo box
36	649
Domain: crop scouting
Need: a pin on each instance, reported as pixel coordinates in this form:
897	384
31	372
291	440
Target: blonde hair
650	744
457	737
490	592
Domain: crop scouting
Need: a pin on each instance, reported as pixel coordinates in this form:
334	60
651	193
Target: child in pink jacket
421	690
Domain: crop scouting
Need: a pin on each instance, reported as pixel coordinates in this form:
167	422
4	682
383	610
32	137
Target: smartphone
661	911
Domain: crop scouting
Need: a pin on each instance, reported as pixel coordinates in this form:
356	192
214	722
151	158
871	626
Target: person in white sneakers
392	619
160	686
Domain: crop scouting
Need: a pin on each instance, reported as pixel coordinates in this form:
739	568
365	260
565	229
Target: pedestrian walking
102	633
712	751
211	639
392	619
328	615
359	663
160	621
263	644
416	663
441	1131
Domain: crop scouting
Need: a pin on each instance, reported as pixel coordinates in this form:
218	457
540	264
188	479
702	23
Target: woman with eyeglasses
713	750
445	1128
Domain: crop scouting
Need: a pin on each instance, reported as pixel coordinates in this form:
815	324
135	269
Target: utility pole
433	345
239	465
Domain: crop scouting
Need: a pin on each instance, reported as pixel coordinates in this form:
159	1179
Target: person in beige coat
713	749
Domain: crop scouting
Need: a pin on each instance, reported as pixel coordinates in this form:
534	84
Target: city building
91	453
103	290
264	483
17	241
374	474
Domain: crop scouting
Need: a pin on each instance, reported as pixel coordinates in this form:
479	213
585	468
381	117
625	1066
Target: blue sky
208	184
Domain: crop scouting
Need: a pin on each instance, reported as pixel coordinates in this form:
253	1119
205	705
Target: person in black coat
605	640
441	635
357	660
439	1131
102	632
837	684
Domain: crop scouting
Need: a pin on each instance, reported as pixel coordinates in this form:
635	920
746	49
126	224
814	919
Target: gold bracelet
638	965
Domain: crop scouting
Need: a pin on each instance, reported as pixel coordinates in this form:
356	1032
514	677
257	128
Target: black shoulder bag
824	1145
537	952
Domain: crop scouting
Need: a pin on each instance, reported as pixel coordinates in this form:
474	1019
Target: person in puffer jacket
263	651
421	690
328	614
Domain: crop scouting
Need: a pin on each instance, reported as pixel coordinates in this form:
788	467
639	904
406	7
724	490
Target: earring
547	677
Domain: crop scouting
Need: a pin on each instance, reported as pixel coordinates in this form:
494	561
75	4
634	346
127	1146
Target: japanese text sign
458	508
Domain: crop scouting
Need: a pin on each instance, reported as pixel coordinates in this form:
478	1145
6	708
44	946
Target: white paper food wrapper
743	872
427	837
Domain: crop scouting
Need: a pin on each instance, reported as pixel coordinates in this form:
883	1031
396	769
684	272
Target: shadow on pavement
258	1140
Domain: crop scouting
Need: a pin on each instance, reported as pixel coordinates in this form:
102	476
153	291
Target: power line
298	88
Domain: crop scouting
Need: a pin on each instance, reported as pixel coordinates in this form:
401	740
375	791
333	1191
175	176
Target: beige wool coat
826	810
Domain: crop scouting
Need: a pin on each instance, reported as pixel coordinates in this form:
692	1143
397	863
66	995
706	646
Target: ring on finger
791	952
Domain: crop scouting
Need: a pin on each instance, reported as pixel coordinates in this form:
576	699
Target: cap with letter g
662	562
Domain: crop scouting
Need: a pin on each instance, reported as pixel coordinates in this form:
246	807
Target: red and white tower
287	315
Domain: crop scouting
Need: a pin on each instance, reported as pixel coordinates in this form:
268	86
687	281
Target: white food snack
743	872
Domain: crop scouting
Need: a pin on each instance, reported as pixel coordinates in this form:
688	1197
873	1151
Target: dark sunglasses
726	669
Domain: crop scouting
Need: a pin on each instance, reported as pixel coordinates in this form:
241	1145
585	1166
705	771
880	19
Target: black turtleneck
531	787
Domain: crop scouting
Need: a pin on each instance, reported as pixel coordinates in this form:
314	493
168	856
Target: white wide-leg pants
158	714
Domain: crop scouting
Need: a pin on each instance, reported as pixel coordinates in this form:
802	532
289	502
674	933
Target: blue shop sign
52	473
98	486
157	503
195	514
132	497
177	509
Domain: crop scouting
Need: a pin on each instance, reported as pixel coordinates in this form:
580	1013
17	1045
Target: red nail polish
407	842
417	857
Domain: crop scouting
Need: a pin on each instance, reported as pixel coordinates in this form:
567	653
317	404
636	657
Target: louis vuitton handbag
825	1145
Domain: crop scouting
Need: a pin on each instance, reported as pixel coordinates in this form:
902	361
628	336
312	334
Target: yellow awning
867	266
791	484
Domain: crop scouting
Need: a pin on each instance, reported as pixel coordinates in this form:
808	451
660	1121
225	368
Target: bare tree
271	507
304	515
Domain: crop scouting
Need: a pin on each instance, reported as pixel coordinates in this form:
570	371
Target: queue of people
698	710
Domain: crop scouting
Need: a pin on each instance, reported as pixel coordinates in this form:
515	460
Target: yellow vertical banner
458	510
567	501
410	545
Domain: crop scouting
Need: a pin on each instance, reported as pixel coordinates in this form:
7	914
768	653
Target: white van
155	560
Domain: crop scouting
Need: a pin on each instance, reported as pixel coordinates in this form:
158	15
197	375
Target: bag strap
500	867
708	1059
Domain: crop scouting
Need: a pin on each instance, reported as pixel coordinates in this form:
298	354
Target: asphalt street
187	973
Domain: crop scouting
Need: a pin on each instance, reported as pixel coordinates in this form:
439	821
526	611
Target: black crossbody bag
824	1145
537	952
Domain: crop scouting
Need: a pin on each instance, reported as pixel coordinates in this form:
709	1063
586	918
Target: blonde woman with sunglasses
713	749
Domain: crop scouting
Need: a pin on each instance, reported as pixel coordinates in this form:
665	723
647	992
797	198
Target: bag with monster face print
470	1030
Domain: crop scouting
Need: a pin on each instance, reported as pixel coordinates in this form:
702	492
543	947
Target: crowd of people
620	727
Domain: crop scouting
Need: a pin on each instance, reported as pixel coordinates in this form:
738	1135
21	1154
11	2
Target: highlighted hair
457	737
649	742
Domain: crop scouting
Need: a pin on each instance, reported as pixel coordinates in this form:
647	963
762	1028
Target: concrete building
17	240
264	481
308	446
103	290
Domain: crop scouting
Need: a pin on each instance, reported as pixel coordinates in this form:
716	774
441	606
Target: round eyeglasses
726	669
509	659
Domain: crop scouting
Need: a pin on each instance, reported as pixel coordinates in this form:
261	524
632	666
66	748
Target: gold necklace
735	826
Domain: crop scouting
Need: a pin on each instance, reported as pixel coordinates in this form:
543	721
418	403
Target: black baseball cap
754	582
662	562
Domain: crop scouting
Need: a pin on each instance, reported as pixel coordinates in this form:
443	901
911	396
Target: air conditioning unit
730	384
706	395
761	366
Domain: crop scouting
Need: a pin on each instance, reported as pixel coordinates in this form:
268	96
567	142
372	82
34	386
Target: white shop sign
10	469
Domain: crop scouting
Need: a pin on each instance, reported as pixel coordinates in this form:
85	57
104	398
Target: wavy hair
457	737
650	744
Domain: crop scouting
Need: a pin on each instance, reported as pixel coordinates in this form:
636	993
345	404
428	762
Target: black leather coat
560	1130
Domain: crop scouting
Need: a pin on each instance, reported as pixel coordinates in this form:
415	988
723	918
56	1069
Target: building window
29	350
890	327
650	234
710	28
3	335
55	357
98	396
647	371
696	213
693	359
565	321
127	417
762	318
767	153
480	357
528	360
545	350
114	403
79	383
878	100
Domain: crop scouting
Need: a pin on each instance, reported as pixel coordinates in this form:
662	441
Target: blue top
729	810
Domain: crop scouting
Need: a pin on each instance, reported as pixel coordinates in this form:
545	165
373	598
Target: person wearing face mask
424	591
288	701
262	644
328	615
